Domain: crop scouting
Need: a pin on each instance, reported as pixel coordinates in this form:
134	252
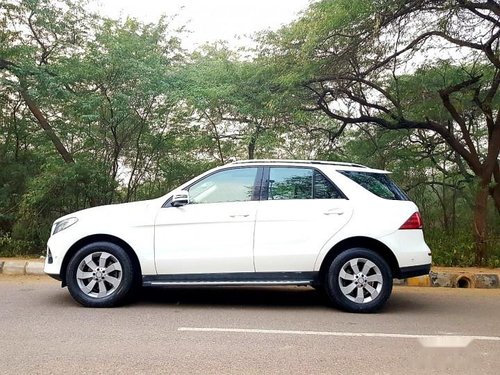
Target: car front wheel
359	280
100	275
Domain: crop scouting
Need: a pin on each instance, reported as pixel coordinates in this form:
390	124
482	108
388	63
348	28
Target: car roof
336	164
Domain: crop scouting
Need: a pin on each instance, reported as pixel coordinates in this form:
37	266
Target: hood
133	213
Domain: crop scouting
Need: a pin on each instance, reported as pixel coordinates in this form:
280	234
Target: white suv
343	228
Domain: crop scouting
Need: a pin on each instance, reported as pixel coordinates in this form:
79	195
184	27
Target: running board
225	283
232	279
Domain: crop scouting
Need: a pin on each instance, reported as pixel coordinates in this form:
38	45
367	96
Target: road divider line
425	340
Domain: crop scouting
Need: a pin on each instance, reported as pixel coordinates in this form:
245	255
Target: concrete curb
13	267
438	277
455	279
22	267
34	268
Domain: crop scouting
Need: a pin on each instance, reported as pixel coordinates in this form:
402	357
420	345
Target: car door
214	232
300	211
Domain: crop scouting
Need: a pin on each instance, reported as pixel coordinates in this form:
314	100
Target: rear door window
377	183
299	183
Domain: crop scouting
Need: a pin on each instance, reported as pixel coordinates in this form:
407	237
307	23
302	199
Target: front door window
232	185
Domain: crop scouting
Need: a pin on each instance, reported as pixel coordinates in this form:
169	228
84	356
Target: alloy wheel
360	280
99	274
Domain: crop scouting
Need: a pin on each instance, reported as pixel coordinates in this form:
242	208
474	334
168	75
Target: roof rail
284	161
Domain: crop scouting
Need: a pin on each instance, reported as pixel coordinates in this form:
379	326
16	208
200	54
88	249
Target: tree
86	110
233	101
123	98
422	64
36	36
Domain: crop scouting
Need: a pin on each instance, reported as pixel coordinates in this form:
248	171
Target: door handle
239	215
334	211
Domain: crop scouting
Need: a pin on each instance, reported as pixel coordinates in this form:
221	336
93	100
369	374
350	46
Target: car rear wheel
100	275
359	280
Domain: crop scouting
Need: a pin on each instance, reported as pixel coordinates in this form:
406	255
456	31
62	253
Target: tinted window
232	185
290	183
299	183
377	183
323	188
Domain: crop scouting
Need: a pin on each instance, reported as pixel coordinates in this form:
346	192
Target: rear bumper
405	272
411	252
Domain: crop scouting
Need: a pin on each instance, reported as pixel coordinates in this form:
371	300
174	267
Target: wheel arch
100	238
365	242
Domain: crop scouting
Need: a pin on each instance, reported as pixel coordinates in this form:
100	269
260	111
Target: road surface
246	331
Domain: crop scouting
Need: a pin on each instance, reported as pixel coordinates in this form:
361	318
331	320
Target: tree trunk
495	190
252	144
480	223
496	196
44	123
251	148
35	110
454	211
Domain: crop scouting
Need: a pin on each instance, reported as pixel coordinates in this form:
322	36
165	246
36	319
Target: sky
211	20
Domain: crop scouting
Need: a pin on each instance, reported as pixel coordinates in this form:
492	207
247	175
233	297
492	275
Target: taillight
414	222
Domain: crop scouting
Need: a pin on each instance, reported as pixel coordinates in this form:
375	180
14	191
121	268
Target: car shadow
231	296
272	297
402	302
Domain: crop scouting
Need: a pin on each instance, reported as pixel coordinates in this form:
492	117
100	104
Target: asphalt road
246	330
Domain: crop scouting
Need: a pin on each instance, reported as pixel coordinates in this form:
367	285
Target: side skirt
232	279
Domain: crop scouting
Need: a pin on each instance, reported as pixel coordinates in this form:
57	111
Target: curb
458	279
35	268
21	267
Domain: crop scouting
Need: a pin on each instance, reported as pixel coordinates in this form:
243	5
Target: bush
458	250
59	190
10	247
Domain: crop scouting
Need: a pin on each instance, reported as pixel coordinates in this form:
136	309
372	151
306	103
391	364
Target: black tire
374	287
318	288
114	258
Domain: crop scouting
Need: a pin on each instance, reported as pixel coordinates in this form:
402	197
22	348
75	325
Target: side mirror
180	198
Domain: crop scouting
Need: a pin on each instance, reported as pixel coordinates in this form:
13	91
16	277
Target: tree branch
445	98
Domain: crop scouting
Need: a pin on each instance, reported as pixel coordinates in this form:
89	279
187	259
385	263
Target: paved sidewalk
451	277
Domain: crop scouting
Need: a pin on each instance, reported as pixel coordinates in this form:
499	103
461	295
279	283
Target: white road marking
446	341
443	341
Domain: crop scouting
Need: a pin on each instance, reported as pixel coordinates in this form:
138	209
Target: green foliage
235	103
12	248
15	174
458	249
140	115
59	190
429	80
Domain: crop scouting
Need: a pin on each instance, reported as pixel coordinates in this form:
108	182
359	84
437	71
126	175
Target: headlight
63	224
